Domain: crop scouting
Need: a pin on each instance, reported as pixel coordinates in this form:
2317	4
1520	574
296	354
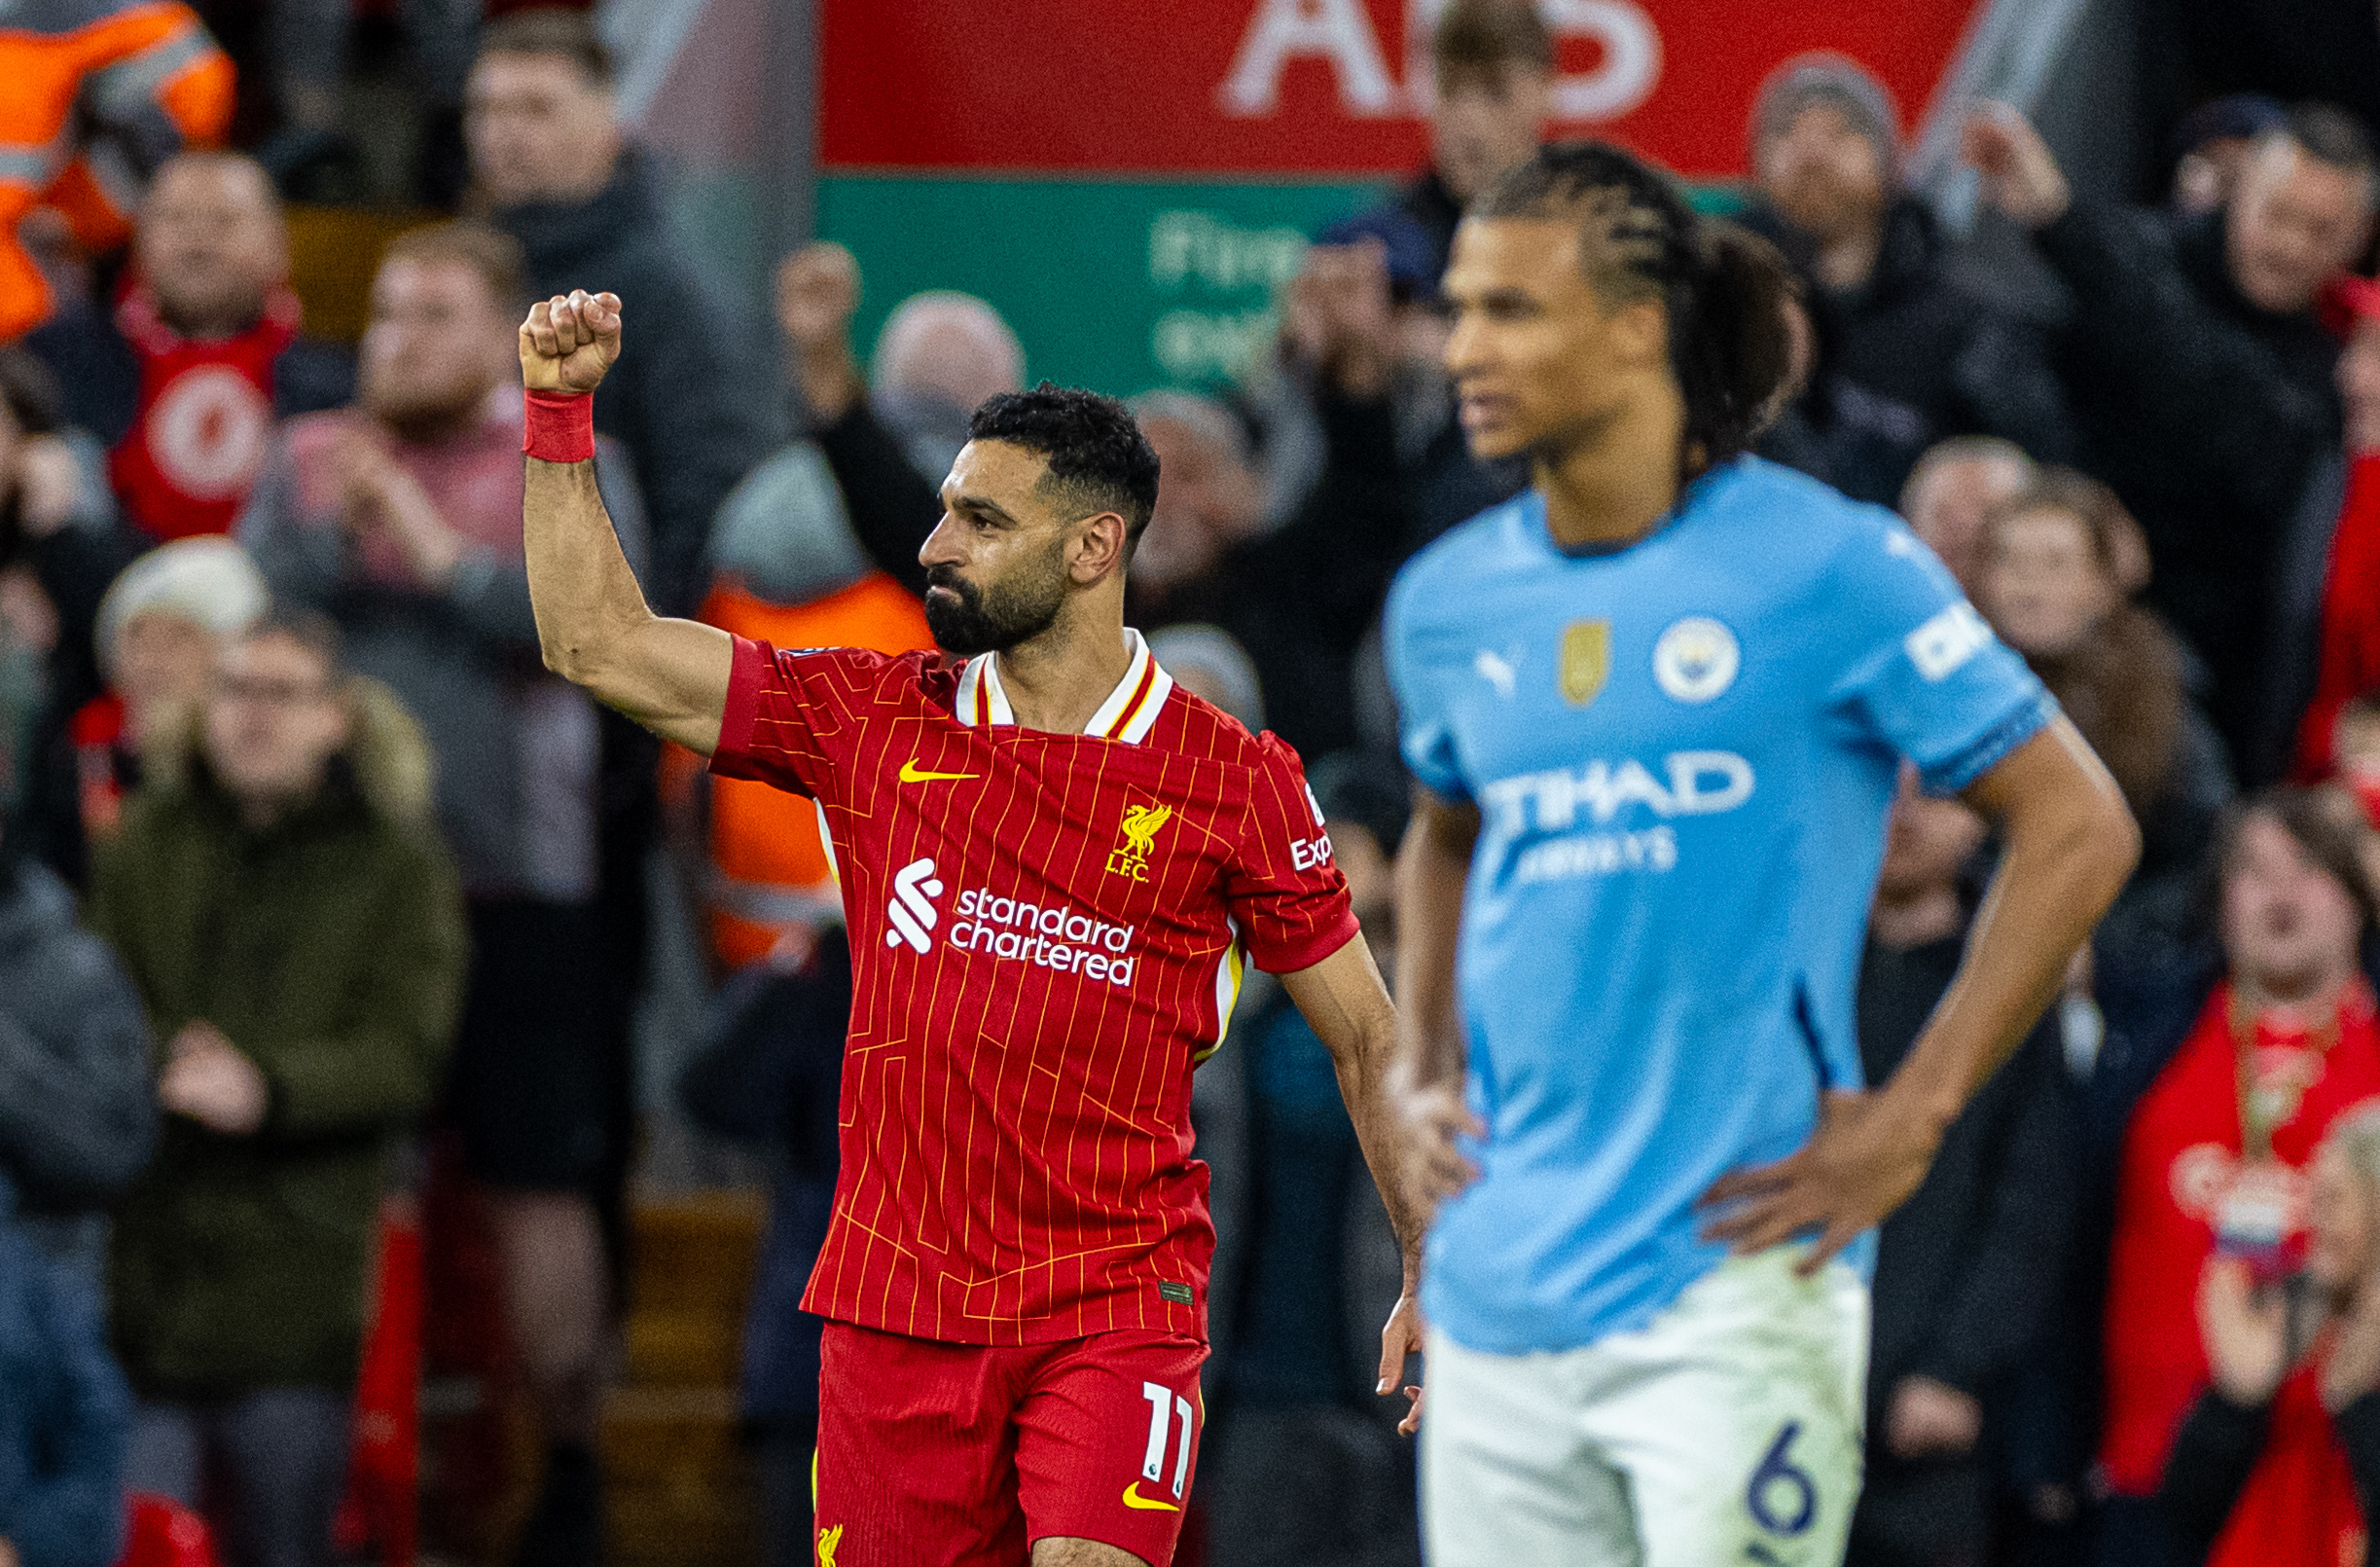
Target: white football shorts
1725	1431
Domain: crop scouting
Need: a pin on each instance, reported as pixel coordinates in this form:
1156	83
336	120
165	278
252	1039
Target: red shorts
959	1455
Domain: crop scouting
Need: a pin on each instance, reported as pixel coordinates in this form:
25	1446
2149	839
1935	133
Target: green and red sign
1128	182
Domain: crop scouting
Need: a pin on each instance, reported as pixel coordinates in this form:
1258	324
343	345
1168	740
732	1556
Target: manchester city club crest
1696	659
1586	660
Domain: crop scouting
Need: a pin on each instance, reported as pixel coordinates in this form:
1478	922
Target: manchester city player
1656	707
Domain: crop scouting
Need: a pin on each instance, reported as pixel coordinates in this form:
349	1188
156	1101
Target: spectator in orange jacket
99	93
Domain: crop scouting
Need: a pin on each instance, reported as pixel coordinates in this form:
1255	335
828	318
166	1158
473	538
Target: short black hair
1093	445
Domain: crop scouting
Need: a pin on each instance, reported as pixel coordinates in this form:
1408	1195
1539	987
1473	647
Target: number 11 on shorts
1164	1404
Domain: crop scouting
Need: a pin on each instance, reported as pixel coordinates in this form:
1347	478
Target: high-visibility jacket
770	872
95	94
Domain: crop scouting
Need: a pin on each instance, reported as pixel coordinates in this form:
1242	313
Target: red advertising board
1310	86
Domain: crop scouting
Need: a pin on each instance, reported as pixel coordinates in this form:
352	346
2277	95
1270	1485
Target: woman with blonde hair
2273	1463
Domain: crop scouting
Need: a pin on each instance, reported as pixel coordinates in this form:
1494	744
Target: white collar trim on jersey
1128	715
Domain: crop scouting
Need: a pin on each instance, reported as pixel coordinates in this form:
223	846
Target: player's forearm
2070	846
1344	1000
1431	871
594	627
580	583
1363	1083
1365	1076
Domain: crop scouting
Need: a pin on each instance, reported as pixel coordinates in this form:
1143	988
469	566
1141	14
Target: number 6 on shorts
1779	1479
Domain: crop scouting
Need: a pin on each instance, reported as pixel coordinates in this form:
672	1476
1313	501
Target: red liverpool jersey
1047	934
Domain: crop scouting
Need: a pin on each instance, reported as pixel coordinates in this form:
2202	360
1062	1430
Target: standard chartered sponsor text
1055	936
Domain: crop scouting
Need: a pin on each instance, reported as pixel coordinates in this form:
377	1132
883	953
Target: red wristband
558	426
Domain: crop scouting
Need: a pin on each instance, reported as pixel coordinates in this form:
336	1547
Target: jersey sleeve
790	715
1285	891
1923	672
1426	733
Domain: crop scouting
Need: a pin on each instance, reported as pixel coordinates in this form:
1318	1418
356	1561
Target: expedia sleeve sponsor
1287	898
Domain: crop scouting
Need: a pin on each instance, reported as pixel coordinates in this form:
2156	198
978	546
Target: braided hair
1726	290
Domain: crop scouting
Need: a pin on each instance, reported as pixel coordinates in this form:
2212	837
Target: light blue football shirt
1684	752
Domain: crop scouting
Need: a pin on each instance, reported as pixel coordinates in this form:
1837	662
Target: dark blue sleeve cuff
1988	749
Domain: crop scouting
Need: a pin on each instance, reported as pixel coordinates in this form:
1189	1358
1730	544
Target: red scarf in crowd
2299	1506
101	747
2185	1172
205	418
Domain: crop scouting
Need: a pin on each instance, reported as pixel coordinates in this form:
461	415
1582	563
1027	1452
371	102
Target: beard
968	620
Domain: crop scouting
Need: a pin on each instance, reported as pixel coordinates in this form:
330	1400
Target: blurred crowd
317	891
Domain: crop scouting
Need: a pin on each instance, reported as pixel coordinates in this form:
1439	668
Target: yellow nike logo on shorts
1145	1503
911	775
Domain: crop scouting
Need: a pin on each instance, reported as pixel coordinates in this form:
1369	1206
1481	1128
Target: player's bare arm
2071	844
1426	1081
592	622
1346	1005
1062	1551
1426	1074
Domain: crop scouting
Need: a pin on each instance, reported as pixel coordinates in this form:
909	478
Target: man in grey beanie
1903	352
1861	108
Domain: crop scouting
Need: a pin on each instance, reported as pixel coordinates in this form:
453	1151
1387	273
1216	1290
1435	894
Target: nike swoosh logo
911	775
1145	1503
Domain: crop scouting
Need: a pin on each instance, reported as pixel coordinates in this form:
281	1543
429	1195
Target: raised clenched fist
818	292
49	484
568	343
2020	175
1339	315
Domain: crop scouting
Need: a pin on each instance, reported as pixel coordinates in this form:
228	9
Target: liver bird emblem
1141	823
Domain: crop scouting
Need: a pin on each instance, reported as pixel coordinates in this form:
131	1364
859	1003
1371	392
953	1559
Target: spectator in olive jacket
283	906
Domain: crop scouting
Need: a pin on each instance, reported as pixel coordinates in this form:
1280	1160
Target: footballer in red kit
1055	865
1047	931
